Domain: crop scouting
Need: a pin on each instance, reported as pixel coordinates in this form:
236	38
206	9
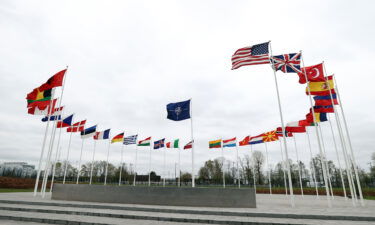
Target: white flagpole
135	164
122	150
79	164
67	157
283	130
58	151
298	164
222	161
149	165
252	156
350	144
192	149
238	171
283	166
317	136
326	160
269	171
337	155
106	165
48	160
164	172
179	165
92	162
312	158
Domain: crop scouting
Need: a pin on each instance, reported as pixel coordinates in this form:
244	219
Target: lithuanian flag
118	138
215	144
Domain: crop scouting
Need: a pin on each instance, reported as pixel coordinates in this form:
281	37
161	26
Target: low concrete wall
173	196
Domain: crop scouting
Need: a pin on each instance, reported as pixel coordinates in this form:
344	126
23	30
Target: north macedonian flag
270	136
118	138
215	144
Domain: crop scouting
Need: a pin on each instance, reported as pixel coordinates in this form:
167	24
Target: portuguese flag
173	144
215	144
145	142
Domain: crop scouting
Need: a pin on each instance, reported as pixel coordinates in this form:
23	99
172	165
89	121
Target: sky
128	59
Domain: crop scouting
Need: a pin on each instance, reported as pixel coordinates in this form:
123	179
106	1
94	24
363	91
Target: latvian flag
102	135
145	142
189	145
230	143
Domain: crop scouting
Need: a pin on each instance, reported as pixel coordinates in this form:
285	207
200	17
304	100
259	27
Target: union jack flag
288	63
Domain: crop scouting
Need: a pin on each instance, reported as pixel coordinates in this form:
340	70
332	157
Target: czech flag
66	122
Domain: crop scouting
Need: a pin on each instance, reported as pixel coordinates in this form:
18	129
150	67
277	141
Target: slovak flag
66	122
230	142
101	135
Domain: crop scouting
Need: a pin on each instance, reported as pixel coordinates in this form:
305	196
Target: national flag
145	142
54	81
256	140
321	87
230	142
88	132
101	135
245	141
214	144
131	140
324	109
57	111
287	63
37	95
279	132
313	73
77	127
179	110
66	122
118	138
174	144
159	144
189	145
42	108
325	100
51	118
270	136
295	127
306	123
252	55
319	117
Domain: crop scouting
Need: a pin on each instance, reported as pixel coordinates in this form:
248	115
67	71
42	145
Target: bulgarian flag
173	144
145	142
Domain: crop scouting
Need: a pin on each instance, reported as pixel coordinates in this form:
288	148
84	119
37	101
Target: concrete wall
173	196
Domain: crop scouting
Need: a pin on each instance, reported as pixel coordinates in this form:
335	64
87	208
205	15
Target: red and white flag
295	127
77	127
189	145
252	55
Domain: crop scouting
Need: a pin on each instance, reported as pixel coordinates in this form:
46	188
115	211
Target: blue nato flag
179	110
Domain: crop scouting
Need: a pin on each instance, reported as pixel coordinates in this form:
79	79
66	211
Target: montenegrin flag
270	136
145	142
229	143
118	138
173	144
214	144
101	135
245	141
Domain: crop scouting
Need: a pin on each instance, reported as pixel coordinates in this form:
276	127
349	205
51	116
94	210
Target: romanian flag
215	144
322	87
270	136
118	138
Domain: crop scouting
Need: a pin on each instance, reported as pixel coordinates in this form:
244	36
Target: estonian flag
179	110
89	132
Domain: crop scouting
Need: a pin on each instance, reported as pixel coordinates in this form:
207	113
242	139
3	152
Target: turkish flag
313	73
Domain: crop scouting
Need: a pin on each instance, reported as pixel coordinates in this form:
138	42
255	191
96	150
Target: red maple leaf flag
313	73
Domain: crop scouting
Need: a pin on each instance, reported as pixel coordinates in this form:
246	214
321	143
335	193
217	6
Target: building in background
17	169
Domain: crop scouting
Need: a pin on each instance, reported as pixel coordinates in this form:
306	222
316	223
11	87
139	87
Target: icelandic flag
159	144
256	140
51	118
230	142
179	110
88	132
102	135
66	122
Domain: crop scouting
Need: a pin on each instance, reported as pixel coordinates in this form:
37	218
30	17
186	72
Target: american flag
288	63
130	140
253	55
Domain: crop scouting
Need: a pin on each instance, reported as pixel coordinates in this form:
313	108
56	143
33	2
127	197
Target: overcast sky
128	59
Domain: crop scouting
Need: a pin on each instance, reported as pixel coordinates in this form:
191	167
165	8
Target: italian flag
173	144
145	142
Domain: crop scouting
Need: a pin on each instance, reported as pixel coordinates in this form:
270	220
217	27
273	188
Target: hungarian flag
313	73
322	87
145	142
270	136
118	138
279	132
189	145
295	127
325	100
101	135
173	144
55	81
214	144
245	141
42	108
66	122
77	127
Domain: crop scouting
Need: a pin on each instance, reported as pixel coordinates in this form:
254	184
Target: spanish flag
321	87
215	144
118	138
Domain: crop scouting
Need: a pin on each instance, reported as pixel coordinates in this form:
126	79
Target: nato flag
179	110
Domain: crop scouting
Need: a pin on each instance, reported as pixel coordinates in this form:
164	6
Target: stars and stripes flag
252	55
131	140
287	63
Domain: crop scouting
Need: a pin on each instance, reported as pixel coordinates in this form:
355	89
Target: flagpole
312	158
179	165
164	172
149	165
92	162
135	164
283	167
67	157
298	163
192	148
106	165
326	160
222	161
337	155
283	130
79	164
269	171
252	156
350	144
58	150
238	171
317	136
48	160
121	163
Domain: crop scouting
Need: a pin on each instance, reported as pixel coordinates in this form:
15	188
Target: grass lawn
8	190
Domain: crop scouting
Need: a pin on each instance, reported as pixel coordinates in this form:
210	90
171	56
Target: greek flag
130	140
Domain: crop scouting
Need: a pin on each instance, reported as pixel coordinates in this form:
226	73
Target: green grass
5	190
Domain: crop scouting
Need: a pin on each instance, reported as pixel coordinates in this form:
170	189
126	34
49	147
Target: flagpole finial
67	66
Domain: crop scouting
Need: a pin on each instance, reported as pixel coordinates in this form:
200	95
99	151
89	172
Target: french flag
230	142
66	122
256	140
102	135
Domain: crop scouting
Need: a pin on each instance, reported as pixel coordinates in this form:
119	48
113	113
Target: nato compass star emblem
178	111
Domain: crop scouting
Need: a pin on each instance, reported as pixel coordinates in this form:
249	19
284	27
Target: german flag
118	138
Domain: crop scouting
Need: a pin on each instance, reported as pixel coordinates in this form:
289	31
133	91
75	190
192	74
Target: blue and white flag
130	140
51	118
102	135
179	110
88	132
159	144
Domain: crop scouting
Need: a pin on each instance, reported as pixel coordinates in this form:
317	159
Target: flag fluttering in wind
256	140
295	127
324	109
174	144
42	108
252	55
88	132
159	144
51	118
270	136
66	122
55	81
77	127
322	87
145	142
131	140
189	145
118	138
287	63
325	100
313	73
279	132
245	141
179	110
37	95
101	135
214	144
230	143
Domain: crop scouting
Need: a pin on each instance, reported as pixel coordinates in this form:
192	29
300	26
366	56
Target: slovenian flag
230	142
102	135
88	132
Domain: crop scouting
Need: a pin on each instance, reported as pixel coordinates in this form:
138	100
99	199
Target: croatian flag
256	140
102	135
230	142
89	132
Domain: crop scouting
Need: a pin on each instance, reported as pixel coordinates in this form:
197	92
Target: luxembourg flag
230	142
256	140
102	135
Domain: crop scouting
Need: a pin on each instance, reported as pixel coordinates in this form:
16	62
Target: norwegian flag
279	132
288	63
